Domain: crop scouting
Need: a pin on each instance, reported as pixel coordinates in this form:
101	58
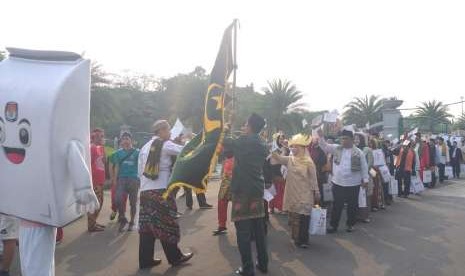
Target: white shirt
169	149
342	173
442	159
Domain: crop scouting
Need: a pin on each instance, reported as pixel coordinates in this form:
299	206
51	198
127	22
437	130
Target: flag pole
233	94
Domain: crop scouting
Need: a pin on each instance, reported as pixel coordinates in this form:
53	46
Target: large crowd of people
361	171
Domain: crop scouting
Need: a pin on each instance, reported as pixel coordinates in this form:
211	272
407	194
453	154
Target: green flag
198	158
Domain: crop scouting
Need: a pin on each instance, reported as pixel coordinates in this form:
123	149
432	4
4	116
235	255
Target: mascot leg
37	250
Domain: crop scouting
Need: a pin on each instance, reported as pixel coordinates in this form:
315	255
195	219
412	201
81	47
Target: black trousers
441	168
403	181
304	223
299	228
147	250
201	199
244	231
433	178
387	196
456	169
341	196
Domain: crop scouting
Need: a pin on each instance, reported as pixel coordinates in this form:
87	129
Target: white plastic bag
328	192
416	186
393	186
427	176
318	221
449	172
378	158
385	174
362	198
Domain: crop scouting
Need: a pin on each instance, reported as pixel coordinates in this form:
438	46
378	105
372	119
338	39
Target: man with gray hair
157	216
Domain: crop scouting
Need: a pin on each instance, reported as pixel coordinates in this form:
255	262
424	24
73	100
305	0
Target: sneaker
206	206
220	231
122	224
262	269
95	229
302	245
331	230
184	258
350	229
131	226
240	271
155	262
113	216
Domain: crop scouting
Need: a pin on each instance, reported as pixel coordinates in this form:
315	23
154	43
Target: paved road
423	235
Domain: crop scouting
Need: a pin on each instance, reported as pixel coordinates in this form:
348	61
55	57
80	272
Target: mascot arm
80	177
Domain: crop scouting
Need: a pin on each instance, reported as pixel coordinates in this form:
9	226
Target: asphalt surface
423	235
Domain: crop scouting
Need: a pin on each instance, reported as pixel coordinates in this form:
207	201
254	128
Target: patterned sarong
158	216
224	192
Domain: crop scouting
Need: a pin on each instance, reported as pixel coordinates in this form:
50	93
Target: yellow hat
300	140
276	135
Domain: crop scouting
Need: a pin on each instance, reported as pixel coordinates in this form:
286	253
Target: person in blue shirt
126	179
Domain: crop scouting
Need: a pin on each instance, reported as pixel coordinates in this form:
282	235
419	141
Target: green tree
98	77
431	113
363	110
246	102
281	98
460	123
185	96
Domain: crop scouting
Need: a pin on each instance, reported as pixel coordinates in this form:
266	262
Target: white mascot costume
44	149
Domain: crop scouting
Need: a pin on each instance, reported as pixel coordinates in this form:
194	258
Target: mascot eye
25	134
2	132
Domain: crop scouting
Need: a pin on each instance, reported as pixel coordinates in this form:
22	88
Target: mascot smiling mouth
15	155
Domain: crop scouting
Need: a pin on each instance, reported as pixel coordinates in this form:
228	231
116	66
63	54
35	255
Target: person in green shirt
125	162
247	188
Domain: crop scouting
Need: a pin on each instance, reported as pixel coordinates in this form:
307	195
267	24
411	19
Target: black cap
347	133
126	135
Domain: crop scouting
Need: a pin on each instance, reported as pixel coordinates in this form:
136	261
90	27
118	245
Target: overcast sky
332	50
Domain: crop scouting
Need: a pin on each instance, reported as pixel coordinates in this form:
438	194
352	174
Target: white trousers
37	250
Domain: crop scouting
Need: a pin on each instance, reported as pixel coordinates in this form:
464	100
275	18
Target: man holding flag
247	188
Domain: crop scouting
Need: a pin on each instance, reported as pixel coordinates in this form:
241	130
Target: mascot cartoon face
15	147
44	135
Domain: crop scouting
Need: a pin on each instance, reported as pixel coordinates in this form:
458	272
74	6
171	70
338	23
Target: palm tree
431	113
281	98
363	110
460	123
